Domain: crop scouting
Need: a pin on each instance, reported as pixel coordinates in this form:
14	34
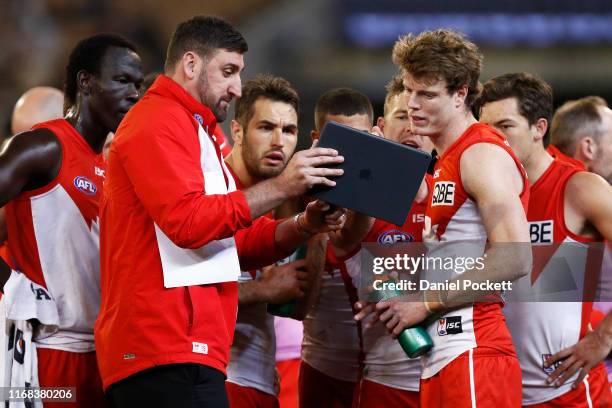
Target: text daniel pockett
424	284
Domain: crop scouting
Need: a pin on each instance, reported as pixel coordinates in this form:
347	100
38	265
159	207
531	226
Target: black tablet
381	177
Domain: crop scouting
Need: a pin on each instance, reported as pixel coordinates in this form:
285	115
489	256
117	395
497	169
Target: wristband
305	233
435	306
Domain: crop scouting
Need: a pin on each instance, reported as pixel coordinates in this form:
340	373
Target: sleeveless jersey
334	343
252	360
536	329
54	238
253	353
332	338
385	361
557	154
455	217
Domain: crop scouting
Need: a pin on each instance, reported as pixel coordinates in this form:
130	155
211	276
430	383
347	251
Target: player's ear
587	147
314	135
84	81
380	122
541	126
190	65
237	132
460	95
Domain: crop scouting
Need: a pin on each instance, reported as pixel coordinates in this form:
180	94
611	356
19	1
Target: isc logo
541	232
444	193
393	236
85	185
449	325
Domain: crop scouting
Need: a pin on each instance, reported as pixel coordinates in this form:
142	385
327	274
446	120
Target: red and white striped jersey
252	360
334	343
331	341
536	329
385	361
54	238
455	217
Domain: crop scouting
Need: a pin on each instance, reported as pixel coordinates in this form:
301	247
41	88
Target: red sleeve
161	157
257	245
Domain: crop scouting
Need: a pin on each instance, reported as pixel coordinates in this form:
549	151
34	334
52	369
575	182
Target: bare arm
296	280
319	217
27	161
305	170
588	211
352	234
490	176
588	206
586	354
278	284
315	265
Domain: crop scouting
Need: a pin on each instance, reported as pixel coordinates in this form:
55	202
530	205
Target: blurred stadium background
319	44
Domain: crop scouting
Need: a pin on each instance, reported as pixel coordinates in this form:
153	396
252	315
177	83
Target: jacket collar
168	88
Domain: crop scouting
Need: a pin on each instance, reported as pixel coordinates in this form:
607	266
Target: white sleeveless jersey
55	238
455	218
331	336
253	353
541	329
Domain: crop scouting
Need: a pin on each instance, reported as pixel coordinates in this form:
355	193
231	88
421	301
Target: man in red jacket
175	231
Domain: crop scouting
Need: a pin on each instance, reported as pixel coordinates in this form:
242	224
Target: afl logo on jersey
393	236
84	185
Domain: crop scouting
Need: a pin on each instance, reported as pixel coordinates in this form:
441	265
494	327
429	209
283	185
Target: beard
212	102
254	164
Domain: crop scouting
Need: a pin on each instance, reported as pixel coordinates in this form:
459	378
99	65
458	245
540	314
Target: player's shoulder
479	131
40	138
480	139
35	152
483	153
584	184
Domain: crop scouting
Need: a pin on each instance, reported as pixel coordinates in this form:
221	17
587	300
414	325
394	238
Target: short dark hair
203	35
534	96
268	87
575	120
441	55
87	55
342	101
394	87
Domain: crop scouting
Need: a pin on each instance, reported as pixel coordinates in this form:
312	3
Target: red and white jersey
252	360
253	354
385	361
337	346
557	154
536	329
455	217
55	238
332	338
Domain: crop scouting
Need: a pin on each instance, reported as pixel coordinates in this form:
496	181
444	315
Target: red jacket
154	175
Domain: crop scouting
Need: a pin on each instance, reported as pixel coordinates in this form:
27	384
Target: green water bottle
415	341
288	309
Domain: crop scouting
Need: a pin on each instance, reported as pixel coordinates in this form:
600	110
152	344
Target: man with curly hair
480	193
